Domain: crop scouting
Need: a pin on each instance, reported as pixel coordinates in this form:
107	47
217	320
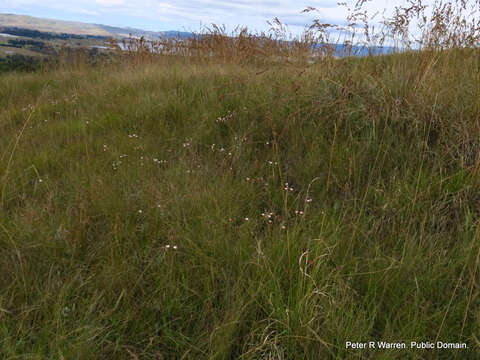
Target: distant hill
78	28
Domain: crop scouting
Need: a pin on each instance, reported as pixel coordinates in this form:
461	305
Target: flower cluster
28	107
227	117
116	164
268	216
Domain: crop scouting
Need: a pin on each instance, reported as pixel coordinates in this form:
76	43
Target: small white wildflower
140	211
175	247
246	219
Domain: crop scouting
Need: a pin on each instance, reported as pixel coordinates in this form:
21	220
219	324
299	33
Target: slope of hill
49	25
70	27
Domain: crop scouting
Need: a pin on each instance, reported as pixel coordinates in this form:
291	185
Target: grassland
218	211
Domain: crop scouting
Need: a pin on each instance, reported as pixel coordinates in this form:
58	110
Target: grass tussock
219	210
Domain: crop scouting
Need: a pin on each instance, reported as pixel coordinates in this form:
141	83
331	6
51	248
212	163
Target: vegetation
20	63
21	43
212	205
47	35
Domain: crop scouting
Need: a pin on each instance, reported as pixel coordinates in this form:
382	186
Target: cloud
89	12
110	2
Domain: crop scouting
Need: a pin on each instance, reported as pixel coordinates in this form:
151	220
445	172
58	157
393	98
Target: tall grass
202	207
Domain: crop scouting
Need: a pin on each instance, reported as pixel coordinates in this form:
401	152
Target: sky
187	15
196	15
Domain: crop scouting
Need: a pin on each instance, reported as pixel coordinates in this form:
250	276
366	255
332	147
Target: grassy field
216	211
9	50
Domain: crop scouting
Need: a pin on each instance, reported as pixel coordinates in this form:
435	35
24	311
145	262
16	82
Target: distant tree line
46	35
19	43
37	46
